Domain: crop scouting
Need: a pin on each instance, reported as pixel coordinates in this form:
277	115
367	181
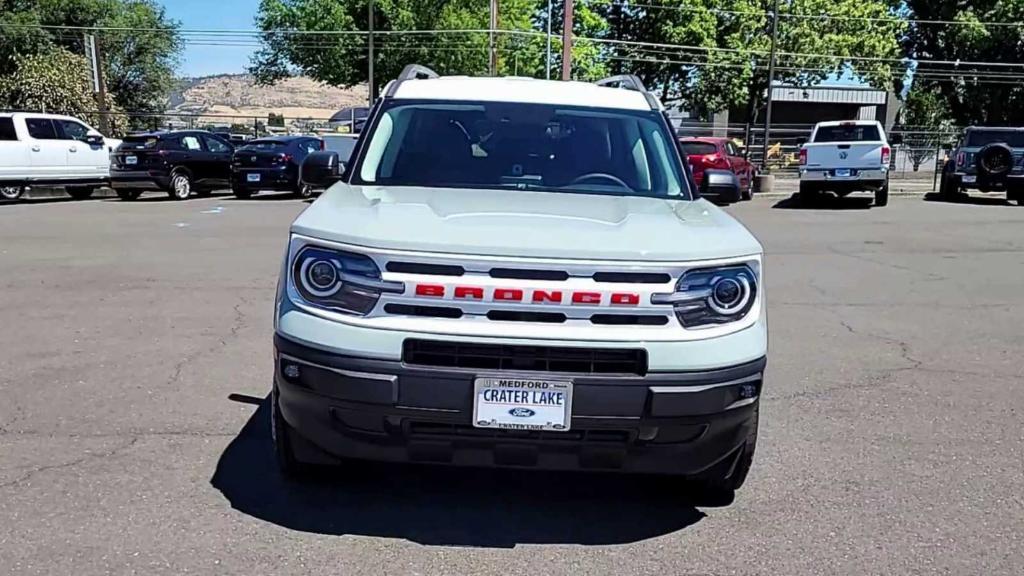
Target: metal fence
920	155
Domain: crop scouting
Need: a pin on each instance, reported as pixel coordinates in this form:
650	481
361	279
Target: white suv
53	150
518	272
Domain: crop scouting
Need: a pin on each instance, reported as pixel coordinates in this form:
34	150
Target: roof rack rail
410	72
630	82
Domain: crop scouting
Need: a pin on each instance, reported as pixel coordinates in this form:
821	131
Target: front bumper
684	423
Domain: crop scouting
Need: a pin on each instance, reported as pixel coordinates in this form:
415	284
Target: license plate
131	160
842	172
522	404
970	179
252	177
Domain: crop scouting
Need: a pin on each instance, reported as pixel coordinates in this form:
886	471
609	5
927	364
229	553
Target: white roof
521	90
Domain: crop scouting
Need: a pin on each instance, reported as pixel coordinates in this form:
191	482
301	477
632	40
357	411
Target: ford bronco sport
519	273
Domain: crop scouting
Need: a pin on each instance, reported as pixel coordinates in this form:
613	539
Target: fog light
748	391
291	371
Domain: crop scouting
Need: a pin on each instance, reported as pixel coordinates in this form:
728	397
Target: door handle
73	149
35	148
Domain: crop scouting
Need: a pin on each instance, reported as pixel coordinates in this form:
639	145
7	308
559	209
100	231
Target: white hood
525	224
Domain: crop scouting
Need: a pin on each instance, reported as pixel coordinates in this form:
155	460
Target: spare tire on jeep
995	160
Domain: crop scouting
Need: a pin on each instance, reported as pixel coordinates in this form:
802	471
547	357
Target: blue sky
213	14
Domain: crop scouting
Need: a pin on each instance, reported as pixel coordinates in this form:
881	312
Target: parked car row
55	150
185	161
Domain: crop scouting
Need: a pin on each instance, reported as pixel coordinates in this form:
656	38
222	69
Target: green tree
725	62
926	123
138	64
972	93
56	81
301	37
276	120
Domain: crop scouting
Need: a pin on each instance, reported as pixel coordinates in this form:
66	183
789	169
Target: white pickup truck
844	157
52	150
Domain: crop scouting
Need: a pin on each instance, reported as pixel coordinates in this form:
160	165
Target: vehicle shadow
825	202
448	506
273	197
968	199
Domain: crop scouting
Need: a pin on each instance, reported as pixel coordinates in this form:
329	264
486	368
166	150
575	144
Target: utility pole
547	69
94	54
771	81
494	26
372	89
567	42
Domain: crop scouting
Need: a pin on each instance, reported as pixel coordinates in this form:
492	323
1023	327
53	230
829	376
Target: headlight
339	281
712	296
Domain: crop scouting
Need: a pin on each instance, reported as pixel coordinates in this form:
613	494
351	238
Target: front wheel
181	186
284	448
303	190
748	191
722	487
882	195
80	192
11	192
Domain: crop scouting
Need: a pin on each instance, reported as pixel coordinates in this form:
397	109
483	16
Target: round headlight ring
319	277
729	294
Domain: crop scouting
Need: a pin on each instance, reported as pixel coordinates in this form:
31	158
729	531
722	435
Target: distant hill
238	95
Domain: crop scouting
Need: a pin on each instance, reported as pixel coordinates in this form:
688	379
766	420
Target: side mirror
801	141
720	187
322	169
94	139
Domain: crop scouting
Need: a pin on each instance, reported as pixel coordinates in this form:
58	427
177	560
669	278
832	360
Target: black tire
994	161
80	192
809	194
241	193
283	437
748	192
11	192
882	195
180	187
303	190
723	487
129	195
949	188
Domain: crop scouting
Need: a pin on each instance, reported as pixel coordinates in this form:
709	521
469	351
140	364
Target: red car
720	154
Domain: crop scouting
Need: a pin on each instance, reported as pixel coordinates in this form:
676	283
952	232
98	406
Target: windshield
264	145
523	147
139	142
343	145
849	133
979	138
698	148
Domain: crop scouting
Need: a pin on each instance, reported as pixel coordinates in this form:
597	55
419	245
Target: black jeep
987	160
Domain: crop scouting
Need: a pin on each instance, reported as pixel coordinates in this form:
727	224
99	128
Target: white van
52	150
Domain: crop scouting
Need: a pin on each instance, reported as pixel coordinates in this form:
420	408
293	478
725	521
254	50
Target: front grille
429	269
524	358
445	431
520	274
427	311
632	277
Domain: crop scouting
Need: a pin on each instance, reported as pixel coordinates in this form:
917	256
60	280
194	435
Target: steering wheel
601	175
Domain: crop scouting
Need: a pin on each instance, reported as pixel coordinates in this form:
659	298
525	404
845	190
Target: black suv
272	164
987	160
177	162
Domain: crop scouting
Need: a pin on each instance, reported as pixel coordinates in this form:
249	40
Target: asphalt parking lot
135	358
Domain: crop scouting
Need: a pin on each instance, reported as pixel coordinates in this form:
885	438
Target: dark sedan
272	164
